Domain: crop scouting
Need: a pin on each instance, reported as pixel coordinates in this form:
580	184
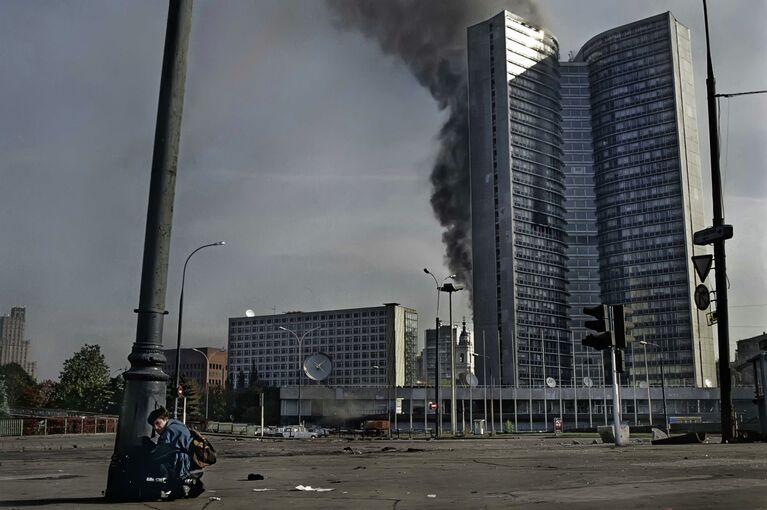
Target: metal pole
438	413
591	417
604	387
720	273
616	403
145	382
647	380
634	385
453	417
471	408
559	382
500	382
262	413
663	389
180	321
575	377
484	375
543	365
492	406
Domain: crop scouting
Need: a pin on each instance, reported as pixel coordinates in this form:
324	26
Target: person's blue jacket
172	450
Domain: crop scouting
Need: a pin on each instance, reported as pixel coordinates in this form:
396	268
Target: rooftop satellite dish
707	383
250	313
551	382
587	382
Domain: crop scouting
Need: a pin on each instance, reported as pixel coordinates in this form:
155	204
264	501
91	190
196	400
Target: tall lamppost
662	380
450	289
207	380
388	398
647	381
438	414
180	318
484	378
300	341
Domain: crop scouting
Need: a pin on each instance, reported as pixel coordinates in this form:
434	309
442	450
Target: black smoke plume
430	38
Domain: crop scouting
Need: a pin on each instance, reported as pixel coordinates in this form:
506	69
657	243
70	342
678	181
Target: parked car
298	432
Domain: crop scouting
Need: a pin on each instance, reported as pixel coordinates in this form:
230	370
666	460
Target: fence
58	425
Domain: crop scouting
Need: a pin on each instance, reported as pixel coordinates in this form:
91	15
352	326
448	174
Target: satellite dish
551	382
587	382
250	313
317	367
707	383
469	379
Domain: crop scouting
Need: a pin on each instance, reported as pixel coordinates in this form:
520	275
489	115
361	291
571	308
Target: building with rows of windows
366	346
586	189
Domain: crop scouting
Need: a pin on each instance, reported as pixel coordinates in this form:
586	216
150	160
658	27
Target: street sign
702	297
712	234
702	265
433	406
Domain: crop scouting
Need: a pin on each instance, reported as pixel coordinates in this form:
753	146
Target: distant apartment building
365	346
742	370
586	189
194	365
13	347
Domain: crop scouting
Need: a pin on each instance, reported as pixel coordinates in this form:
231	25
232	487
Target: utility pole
145	382
720	272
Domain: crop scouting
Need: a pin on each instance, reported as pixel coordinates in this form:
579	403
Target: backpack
201	452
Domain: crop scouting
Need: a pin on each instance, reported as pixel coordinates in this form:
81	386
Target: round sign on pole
433	406
702	297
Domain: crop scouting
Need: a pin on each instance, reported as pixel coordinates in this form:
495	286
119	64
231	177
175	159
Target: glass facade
518	214
586	189
582	253
642	169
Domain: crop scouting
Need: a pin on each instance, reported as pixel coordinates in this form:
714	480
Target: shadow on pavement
53	501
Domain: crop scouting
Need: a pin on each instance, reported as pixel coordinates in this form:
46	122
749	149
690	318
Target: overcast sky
304	148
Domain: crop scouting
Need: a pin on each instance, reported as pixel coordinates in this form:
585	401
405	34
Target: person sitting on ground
170	458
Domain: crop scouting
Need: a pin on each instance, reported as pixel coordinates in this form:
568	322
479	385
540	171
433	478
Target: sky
304	147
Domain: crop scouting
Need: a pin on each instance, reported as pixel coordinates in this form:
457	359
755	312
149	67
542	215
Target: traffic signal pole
616	403
720	270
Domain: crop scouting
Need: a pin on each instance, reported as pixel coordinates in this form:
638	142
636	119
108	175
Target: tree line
86	384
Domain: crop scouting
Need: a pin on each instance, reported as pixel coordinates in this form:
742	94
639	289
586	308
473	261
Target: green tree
17	381
192	394
5	410
116	392
218	404
84	382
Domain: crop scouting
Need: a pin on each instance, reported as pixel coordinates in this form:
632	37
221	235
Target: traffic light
620	364
180	392
601	325
619	326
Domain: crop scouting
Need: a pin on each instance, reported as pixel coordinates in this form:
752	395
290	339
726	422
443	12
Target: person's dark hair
160	412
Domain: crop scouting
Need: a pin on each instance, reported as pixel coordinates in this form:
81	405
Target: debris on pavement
348	449
309	488
262	490
255	476
214	498
411	450
360	467
431	495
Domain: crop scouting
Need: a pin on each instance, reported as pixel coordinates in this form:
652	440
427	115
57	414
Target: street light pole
145	382
300	341
438	413
450	289
647	381
207	380
662	381
180	317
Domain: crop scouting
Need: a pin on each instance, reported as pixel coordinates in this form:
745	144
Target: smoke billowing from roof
430	38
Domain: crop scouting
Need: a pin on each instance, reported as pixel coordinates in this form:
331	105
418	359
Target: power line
735	94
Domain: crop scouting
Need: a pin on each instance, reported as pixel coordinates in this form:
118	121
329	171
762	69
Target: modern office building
365	346
200	364
586	189
517	196
13	347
